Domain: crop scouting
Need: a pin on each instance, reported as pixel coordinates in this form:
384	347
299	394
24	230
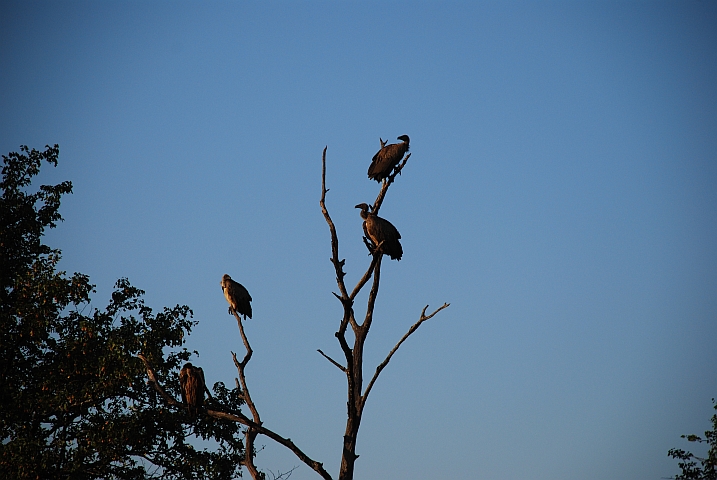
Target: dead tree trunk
353	368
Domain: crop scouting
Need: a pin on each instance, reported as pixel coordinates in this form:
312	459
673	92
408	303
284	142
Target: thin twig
383	364
283	476
338	365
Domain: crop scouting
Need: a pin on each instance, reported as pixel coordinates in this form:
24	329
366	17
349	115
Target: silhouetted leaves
697	468
75	402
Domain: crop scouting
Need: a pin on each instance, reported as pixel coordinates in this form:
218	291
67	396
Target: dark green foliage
74	401
707	467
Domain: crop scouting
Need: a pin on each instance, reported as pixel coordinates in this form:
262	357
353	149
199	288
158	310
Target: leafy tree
75	402
95	394
707	468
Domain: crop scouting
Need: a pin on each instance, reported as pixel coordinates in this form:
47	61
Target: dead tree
353	368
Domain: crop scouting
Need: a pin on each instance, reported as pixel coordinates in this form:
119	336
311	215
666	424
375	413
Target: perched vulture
237	296
191	379
381	232
387	158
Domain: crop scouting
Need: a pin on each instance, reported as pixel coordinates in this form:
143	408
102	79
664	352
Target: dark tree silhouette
352	367
74	403
688	463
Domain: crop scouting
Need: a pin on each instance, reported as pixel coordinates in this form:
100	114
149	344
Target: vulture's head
225	279
404	138
364	209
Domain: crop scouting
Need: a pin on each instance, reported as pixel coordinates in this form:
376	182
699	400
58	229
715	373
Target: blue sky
560	195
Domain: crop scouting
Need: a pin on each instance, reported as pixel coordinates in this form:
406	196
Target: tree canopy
706	469
75	402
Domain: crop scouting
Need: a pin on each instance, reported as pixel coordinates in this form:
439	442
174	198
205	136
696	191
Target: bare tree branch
251	432
338	264
366	277
354	356
389	180
240	369
346	301
316	466
366	325
239	418
338	365
383	364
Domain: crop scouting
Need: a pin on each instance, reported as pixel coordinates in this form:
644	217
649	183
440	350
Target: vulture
191	379
381	232
387	158
237	296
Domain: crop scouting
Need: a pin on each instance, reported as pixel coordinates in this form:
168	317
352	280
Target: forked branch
241	366
255	427
251	432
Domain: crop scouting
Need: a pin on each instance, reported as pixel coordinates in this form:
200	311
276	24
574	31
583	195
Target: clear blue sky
561	196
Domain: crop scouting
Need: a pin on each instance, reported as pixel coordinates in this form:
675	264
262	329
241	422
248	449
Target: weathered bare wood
373	293
383	364
338	264
251	432
241	366
354	355
366	277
